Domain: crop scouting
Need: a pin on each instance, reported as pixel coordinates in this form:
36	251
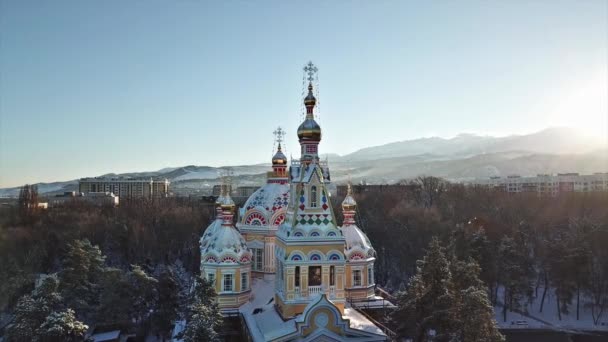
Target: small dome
357	243
226	245
279	158
226	203
310	99
349	202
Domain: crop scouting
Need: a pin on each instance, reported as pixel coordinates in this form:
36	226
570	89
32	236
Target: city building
126	187
363	188
546	184
95	198
309	273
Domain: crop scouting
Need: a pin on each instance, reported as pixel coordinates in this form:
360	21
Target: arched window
313	196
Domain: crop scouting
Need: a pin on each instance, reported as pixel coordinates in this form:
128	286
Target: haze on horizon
88	88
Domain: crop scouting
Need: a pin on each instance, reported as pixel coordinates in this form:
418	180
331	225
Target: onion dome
227	204
279	158
226	244
349	203
310	100
309	129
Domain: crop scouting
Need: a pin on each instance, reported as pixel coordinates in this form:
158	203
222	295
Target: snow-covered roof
226	245
265	206
356	241
268	325
223	243
106	336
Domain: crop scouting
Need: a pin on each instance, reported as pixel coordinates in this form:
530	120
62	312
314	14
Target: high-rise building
126	187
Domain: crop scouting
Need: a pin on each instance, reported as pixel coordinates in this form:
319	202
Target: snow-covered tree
477	317
32	310
448	299
83	266
428	303
61	327
204	319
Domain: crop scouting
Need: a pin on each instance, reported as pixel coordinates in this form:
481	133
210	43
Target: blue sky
91	87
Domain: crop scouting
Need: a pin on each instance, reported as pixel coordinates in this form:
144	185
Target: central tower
310	246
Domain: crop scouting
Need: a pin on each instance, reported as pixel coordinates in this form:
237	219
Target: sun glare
585	106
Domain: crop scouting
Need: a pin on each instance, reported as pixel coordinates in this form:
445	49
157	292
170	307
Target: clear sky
91	87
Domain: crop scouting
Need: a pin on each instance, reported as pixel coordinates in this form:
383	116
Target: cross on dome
311	70
279	133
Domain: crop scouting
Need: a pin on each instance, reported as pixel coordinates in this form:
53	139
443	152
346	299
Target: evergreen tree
168	301
428	302
477	313
115	300
83	266
474	315
144	295
32	310
446	301
204	319
61	327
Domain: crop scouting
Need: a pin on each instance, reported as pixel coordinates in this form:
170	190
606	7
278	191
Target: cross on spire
279	133
311	70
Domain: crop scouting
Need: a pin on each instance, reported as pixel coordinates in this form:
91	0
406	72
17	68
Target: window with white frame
227	284
244	281
370	275
258	259
356	277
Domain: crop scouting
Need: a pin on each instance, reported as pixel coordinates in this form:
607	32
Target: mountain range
462	158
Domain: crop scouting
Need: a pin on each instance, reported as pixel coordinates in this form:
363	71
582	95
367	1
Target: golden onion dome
349	202
309	130
279	158
227	204
310	99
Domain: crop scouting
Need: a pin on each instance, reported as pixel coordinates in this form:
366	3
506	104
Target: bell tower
310	247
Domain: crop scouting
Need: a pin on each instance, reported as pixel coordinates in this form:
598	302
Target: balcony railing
313	290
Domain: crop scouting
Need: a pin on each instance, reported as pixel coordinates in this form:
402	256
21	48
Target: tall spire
309	132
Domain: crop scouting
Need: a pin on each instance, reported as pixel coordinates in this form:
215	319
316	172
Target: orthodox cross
279	133
311	70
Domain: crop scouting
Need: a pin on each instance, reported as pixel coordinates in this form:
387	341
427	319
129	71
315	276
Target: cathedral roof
227	245
222	243
265	205
357	245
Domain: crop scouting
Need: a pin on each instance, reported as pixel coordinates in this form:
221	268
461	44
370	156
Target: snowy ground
549	317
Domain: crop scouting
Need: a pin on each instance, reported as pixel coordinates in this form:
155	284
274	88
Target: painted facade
306	268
